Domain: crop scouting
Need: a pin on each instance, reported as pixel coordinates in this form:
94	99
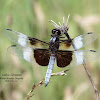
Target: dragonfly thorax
54	44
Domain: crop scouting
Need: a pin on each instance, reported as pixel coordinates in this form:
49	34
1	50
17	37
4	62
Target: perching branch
29	95
62	73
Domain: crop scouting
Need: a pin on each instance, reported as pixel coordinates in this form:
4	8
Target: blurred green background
31	18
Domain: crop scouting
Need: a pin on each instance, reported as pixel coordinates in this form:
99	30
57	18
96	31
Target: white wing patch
79	57
22	39
27	53
78	42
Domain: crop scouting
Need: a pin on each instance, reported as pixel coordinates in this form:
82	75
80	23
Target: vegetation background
31	18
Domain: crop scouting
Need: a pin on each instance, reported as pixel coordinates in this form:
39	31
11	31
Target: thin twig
33	87
92	82
62	73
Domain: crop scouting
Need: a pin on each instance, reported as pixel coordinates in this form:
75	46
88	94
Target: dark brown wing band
64	58
42	56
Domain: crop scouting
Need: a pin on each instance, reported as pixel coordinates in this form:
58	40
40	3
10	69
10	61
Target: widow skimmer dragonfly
28	48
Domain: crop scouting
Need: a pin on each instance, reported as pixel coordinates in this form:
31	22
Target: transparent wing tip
8	49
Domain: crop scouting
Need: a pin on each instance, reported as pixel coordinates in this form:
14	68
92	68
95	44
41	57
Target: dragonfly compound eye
56	31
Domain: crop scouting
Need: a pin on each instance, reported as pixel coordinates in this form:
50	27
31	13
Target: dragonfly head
56	32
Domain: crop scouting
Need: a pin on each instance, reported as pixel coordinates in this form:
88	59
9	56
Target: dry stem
91	80
62	73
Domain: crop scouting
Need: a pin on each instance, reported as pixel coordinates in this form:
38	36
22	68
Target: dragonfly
45	53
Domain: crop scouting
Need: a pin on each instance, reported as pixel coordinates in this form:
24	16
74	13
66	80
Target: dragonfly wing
22	39
30	55
84	55
75	58
78	42
25	53
84	40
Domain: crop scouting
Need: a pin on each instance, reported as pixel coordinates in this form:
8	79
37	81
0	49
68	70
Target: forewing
42	56
22	39
77	58
64	44
84	40
78	42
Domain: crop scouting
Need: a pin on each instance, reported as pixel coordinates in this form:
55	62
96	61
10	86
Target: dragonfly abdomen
49	70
